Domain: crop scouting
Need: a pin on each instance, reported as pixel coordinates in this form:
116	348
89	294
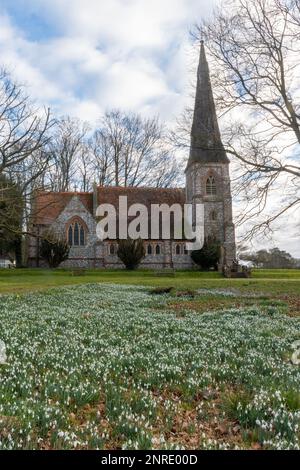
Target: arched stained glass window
149	250
211	187
178	249
82	236
157	250
70	235
76	234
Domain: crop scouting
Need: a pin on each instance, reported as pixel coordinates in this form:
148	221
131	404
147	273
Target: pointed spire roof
206	143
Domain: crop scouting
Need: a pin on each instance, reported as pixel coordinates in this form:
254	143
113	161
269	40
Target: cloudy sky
81	57
84	56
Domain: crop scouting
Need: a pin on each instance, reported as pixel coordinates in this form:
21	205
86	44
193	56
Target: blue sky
29	18
83	56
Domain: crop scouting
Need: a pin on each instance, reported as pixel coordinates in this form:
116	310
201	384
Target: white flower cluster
276	416
103	365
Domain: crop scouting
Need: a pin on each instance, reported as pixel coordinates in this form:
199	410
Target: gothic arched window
211	187
82	236
157	250
149	250
112	250
76	234
178	250
70	235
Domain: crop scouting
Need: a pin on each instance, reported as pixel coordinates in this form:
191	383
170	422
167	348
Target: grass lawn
272	286
274	281
107	360
104	366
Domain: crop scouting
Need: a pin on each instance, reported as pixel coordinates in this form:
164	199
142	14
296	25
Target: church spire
206	143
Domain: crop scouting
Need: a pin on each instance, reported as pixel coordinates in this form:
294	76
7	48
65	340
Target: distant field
277	273
277	282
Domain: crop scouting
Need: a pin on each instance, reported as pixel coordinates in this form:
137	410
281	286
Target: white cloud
20	57
127	53
131	24
98	54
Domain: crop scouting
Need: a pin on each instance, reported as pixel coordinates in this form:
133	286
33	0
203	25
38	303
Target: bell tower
207	172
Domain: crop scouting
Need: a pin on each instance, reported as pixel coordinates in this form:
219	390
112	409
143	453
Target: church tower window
211	187
208	165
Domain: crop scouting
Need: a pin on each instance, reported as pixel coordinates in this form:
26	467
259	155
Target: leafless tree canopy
23	129
128	150
66	149
124	150
37	152
24	138
254	52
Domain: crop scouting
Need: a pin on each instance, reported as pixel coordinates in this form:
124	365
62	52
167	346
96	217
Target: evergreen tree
54	249
131	252
11	211
208	257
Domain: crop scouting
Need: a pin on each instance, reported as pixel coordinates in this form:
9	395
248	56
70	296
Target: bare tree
271	259
85	167
23	128
11	210
65	147
102	157
131	151
29	175
24	137
254	49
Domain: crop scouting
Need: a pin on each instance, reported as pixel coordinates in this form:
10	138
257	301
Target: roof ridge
138	188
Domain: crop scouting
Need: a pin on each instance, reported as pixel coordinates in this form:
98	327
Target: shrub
161	290
209	256
186	293
131	252
54	249
11	213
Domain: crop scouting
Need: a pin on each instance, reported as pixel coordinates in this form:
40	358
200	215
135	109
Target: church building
73	214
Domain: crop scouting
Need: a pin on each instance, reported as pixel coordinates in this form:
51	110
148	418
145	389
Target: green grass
150	357
108	367
264	281
276	273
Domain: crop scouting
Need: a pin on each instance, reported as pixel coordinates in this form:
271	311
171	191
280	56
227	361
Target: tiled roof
146	196
48	205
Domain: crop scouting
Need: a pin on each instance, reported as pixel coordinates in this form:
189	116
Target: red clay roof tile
48	205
